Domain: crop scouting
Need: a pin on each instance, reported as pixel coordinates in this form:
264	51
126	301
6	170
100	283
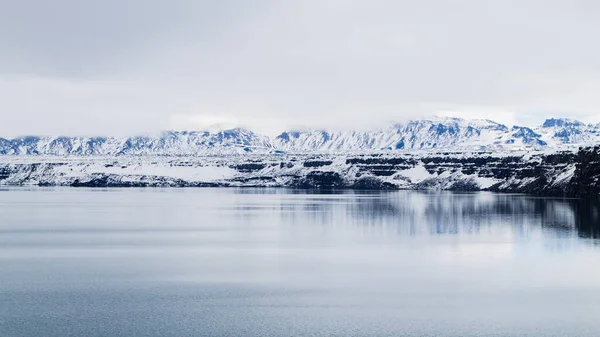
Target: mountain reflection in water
437	213
277	262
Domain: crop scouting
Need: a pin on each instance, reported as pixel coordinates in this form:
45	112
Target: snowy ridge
523	172
419	135
174	143
557	132
435	134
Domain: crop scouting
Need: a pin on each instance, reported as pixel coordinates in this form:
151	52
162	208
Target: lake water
226	262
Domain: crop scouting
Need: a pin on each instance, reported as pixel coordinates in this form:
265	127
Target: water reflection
587	215
425	213
264	262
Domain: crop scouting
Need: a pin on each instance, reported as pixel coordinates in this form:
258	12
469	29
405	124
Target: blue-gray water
225	262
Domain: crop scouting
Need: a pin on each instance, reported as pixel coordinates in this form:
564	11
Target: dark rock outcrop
586	180
320	180
568	174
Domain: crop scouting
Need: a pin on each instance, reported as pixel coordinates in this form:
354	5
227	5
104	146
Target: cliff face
570	174
586	179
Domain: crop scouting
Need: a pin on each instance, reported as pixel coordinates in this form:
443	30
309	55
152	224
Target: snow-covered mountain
434	134
166	144
418	135
564	131
446	133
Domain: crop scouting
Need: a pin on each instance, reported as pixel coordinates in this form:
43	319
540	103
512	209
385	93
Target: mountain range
435	134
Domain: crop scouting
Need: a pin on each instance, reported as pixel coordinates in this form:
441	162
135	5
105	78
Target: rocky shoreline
566	173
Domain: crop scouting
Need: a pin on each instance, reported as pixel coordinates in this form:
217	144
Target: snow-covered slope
419	135
559	173
168	143
443	133
557	132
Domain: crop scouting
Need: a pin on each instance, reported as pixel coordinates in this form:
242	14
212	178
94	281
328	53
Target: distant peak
560	123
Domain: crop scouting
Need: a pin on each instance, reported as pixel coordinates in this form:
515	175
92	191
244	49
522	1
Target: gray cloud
73	67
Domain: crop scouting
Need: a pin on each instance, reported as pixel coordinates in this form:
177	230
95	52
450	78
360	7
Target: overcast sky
78	67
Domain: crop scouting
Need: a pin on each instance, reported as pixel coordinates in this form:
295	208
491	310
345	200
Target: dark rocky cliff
586	180
567	174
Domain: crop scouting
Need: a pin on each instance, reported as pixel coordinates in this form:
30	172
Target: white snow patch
201	173
565	176
486	182
415	174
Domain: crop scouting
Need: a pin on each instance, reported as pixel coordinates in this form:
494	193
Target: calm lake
274	262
